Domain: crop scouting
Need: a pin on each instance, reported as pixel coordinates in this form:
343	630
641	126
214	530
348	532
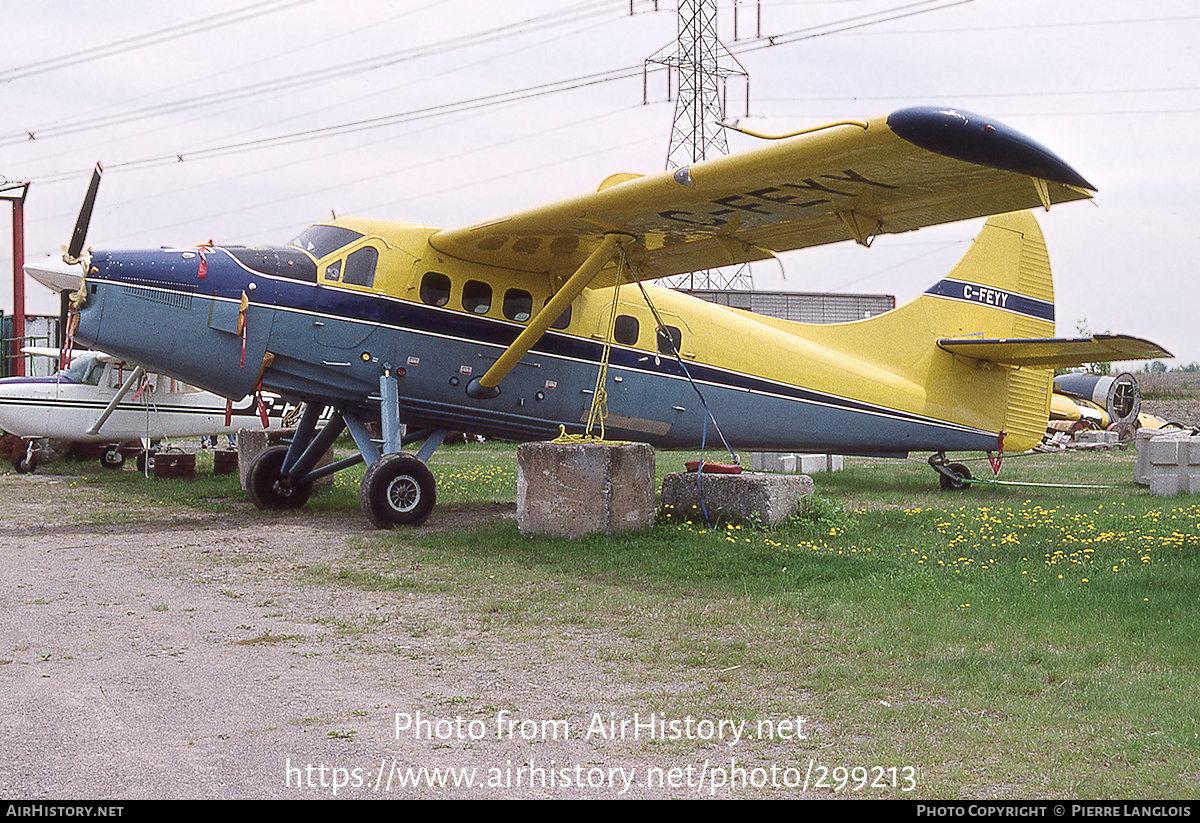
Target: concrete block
768	498
1099	437
817	463
1168	463
795	463
575	489
1141	467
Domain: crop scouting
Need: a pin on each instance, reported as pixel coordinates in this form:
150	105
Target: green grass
1007	640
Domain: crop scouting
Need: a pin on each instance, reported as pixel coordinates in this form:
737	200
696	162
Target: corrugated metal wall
803	307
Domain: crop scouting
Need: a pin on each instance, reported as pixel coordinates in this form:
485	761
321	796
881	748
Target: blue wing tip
975	138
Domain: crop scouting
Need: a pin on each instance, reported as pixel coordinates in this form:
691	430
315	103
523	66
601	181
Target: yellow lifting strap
599	409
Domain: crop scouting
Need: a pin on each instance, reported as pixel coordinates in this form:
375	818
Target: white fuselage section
68	404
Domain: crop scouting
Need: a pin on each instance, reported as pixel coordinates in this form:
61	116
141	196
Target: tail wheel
956	477
269	487
398	489
25	465
112	459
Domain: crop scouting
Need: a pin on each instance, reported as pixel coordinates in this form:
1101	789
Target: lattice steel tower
701	65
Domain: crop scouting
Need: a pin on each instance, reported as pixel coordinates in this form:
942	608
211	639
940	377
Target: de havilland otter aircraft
500	328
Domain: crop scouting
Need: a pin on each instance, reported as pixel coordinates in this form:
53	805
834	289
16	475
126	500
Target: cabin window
625	330
477	297
518	305
333	271
360	267
670	340
563	320
435	289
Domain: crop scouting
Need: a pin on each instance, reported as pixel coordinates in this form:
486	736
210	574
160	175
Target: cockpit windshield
322	240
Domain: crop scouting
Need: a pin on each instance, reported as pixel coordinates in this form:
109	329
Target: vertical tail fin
1002	288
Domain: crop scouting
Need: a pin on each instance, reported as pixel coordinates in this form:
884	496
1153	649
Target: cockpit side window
360	267
320	241
670	340
625	329
564	319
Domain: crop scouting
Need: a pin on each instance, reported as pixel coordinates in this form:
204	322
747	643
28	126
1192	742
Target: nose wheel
269	487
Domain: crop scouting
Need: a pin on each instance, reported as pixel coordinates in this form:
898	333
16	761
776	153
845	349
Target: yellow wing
848	181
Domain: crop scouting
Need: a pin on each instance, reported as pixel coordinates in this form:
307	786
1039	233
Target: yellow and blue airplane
500	328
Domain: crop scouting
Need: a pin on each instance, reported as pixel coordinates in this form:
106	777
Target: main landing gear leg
398	489
27	463
952	476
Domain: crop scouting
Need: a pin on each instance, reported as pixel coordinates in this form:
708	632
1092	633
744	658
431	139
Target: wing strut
484	387
134	376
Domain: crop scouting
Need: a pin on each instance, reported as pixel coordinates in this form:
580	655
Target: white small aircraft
98	398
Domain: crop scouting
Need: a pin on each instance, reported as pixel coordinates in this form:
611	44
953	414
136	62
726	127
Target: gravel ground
167	656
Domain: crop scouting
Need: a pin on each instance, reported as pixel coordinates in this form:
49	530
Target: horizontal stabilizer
1055	352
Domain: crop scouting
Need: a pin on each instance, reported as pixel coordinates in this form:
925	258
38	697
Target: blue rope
661	329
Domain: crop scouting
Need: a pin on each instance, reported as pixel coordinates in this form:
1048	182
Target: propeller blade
85	217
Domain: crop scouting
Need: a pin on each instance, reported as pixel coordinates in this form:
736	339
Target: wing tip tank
974	138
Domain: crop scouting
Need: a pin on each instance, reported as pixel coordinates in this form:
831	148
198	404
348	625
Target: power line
153	38
525	93
317	76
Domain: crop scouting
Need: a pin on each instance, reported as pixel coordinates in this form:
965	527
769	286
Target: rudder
1002	288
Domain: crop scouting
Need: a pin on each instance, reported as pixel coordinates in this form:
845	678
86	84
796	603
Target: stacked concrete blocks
575	489
1169	463
795	463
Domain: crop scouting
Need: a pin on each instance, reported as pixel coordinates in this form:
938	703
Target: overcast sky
230	120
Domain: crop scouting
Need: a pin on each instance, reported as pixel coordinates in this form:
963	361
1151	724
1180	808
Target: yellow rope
599	409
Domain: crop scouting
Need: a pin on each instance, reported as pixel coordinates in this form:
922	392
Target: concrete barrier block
574	489
1164	451
1168	463
768	498
817	463
787	463
1141	468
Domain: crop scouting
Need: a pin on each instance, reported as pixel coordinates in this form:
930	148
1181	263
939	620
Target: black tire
960	480
143	459
397	490
269	488
25	465
112	458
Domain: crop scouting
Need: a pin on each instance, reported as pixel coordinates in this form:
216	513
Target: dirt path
170	655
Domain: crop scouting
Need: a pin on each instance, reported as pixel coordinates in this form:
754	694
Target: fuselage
322	318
